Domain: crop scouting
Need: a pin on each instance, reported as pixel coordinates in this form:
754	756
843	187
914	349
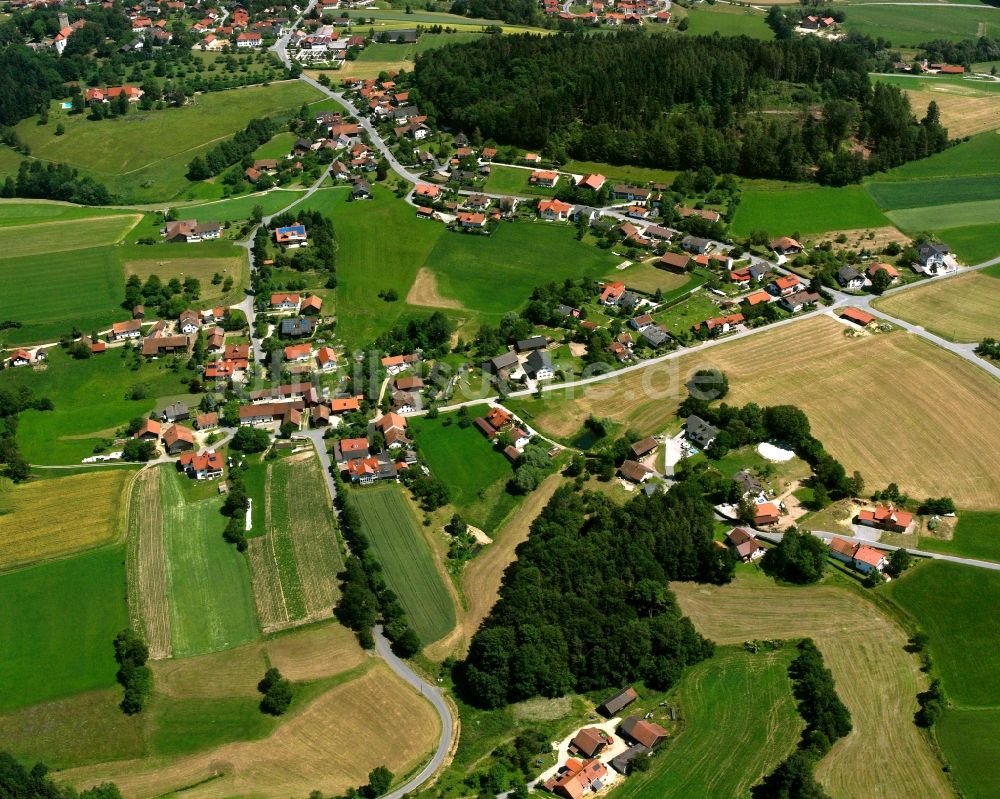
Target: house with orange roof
471	219
612	292
757	298
20	357
393	427
594	182
719	325
298	352
543	177
345	405
177	438
861	557
326	359
554	210
577	778
856	315
785	245
885	517
122	331
878	266
427	190
766	513
785	285
150	430
285	302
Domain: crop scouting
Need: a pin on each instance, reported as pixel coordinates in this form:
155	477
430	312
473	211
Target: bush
277	693
799	558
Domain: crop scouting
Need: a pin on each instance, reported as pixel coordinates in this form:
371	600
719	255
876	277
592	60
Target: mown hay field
758	731
889	429
962	308
35	524
43	238
211	601
329	744
229	262
406	559
875	677
146	565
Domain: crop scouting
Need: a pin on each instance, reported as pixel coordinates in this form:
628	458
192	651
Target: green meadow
152	148
211	601
90	402
971	740
406	559
781	209
939	217
896	194
727	21
32	212
57	627
977	535
980	155
973	244
239	208
465	461
918	24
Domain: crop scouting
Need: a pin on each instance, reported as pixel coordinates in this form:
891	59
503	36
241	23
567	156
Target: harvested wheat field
963	308
482	576
312	653
146	565
424	291
35	525
329	745
875	677
965	111
876	403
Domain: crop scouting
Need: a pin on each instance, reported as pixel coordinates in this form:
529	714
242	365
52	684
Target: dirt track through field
875	677
424	292
482	577
329	745
149	603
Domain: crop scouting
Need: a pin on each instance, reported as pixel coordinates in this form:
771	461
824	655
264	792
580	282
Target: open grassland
211	602
971	741
917	24
514	180
896	194
368	263
962	308
152	148
35	525
89	399
146	564
952	603
782	209
758	731
622	173
973	244
727	21
239	208
57	626
938	217
482	576
812	364
978	156
384	57
43	238
494	274
646	277
55	292
32	212
977	535
875	677
329	744
201	261
406	559
967	107
294	565
461	458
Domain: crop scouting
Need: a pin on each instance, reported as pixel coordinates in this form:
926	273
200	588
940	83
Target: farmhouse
153	346
785	245
611	293
642	448
708	216
700	432
589	742
121	331
367	470
175	412
634	472
344	405
270	412
538	365
674	262
577	778
616	703
206	466
189	231
471	220
206	421
311	305
298	352
326	359
593	182
285	302
291	236
150	430
799	300
409	383
718	325
177	439
299	327
632	194
393	427
885	517
860	557
744	544
643	732
397	363
188	322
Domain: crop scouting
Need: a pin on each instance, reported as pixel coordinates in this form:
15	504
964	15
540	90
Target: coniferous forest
795	109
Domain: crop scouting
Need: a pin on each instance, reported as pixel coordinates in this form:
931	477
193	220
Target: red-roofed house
469	219
577	778
326	358
857	316
593	182
177	438
554	210
766	513
885	517
785	285
249	39
150	430
786	245
298	352
311	305
424	190
285	302
757	298
612	292
541	177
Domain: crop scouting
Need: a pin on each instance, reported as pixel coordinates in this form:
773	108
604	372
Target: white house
935	259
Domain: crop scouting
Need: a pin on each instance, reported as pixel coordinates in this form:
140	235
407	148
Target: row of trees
365	599
229	152
13	400
585	605
50	181
133	674
695	104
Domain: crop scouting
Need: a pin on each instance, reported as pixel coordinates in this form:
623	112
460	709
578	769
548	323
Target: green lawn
897	194
211	601
382	244
406	559
89	399
919	24
56	292
977	535
727	21
182	726
57	627
152	148
973	243
280	146
697	308
954	605
514	180
810	210
495	274
971	740
978	156
739	722
462	459
640	175
939	217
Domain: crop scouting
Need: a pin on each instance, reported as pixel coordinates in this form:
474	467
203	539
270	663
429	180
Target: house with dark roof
700	432
299	327
747	482
850	278
696	245
642	731
932	259
634	472
744	544
533	343
617	702
502	365
538	365
589	742
642	448
654	335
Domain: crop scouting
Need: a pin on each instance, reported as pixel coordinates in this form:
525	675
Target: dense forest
686	103
585	606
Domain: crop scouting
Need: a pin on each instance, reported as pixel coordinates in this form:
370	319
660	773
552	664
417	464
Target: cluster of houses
499	421
926	68
190	231
528	359
613	13
325	43
357	462
27	357
236	30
